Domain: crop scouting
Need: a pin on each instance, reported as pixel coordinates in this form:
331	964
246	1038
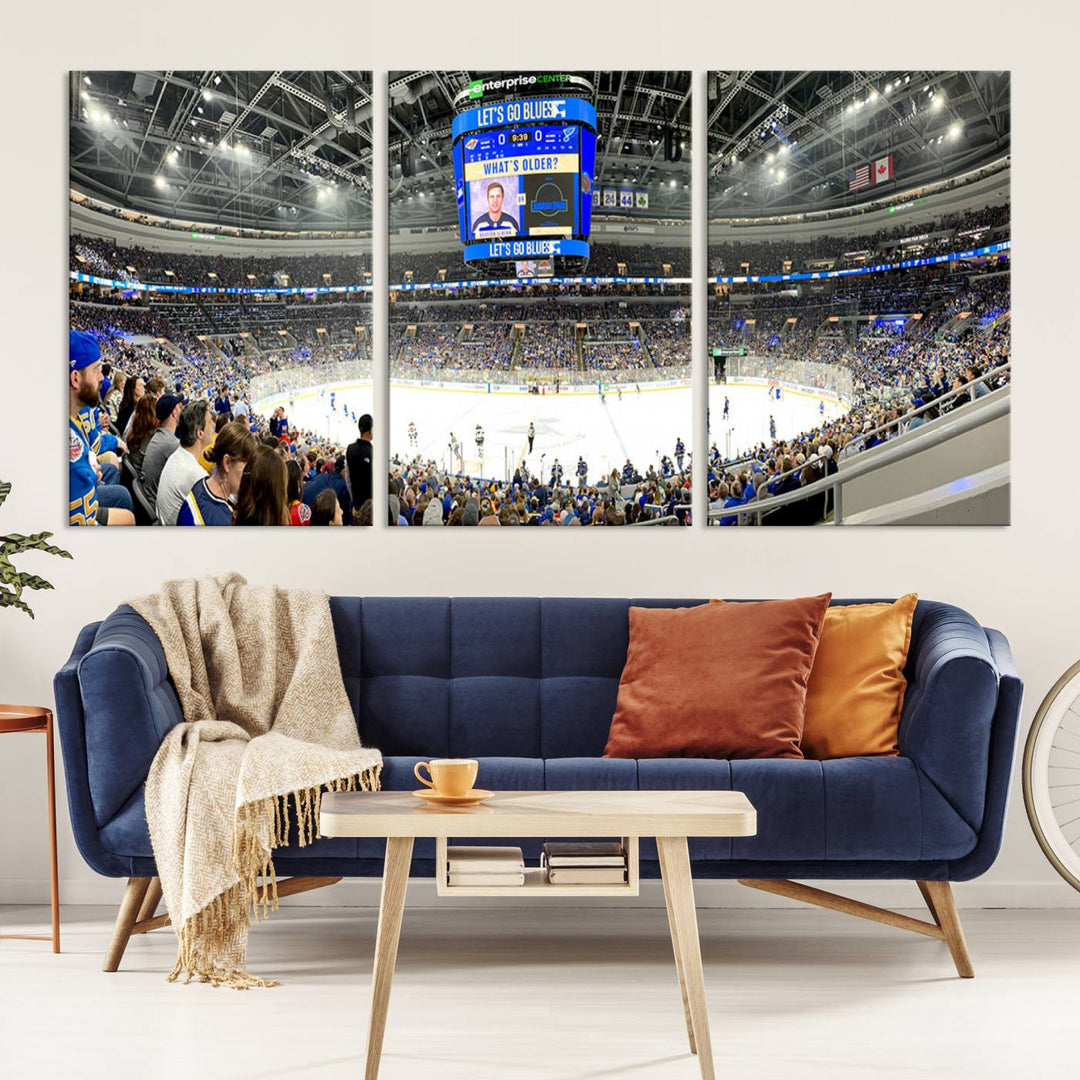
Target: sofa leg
134	894
942	904
150	901
938	896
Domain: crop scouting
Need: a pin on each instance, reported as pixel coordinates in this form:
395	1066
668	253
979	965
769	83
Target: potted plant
12	580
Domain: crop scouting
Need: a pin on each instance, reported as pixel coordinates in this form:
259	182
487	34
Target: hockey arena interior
551	388
859	334
220	298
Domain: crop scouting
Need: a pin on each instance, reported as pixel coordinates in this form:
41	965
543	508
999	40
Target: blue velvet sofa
528	686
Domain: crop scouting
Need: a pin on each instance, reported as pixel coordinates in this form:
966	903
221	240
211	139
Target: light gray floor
552	992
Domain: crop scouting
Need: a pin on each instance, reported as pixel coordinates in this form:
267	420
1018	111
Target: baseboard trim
364	893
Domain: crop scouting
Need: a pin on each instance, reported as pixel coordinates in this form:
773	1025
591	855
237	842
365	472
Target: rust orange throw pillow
857	687
719	680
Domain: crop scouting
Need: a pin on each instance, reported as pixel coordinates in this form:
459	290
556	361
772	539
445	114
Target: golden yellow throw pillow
857	685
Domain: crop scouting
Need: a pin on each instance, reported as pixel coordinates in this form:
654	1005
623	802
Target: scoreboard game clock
523	172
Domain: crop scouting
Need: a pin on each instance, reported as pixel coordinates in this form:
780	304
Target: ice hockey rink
641	426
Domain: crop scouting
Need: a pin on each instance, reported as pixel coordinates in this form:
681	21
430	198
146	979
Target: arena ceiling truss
279	150
790	141
633	108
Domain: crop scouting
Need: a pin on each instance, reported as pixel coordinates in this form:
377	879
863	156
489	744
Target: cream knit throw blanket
266	719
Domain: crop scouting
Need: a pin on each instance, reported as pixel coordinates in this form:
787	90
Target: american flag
861	178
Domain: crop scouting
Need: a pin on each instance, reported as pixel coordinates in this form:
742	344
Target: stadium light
84	95
888	87
782	174
217	80
86	79
873	95
937	102
954	131
207	95
783	150
159	181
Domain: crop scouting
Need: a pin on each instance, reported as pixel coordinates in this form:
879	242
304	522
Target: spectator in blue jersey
222	404
211	500
84	382
680	452
495	220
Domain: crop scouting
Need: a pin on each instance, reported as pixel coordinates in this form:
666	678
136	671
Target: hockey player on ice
479	442
413	438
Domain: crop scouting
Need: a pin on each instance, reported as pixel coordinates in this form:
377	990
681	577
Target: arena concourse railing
960	424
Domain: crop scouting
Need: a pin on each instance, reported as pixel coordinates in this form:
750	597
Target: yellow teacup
449	776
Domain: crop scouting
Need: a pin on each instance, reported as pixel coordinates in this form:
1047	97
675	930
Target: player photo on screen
493	207
539	375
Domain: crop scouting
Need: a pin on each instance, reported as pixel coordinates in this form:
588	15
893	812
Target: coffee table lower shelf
536	883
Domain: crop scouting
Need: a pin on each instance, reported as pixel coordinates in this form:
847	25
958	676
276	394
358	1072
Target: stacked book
588	863
485	866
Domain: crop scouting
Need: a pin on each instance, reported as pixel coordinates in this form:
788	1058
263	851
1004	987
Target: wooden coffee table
669	816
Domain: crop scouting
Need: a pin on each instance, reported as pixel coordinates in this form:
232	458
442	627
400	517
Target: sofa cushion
846	809
856	691
721	681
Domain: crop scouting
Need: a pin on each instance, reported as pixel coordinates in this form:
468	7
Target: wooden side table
14	718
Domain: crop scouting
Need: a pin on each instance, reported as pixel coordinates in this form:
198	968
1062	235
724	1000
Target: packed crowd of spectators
605	260
467	341
97	255
422	494
172	450
951	232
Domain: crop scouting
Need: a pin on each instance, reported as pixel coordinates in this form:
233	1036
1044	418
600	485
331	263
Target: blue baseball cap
83	350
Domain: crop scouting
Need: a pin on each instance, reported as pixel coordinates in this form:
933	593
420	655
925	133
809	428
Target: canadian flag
883	170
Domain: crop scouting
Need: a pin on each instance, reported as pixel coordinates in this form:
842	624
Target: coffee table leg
677	950
679	885
391	908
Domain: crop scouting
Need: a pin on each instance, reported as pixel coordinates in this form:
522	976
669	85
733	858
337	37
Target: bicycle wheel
1052	776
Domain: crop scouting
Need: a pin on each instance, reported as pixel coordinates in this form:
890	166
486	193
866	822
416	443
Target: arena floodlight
86	79
937	102
159	181
208	95
888	87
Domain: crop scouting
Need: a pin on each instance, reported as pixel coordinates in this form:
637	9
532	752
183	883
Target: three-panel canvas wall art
539	347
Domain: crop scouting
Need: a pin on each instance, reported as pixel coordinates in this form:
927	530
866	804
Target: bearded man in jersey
494	220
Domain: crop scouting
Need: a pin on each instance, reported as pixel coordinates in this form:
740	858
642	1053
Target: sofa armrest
949	707
129	705
1003	746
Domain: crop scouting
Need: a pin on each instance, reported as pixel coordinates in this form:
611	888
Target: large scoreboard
523	173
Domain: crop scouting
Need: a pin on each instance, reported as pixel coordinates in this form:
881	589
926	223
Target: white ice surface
641	426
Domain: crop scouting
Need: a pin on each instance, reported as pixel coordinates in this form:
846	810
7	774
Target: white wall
1022	579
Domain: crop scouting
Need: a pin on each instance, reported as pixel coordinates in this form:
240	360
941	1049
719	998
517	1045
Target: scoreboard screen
523	174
